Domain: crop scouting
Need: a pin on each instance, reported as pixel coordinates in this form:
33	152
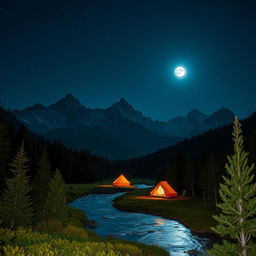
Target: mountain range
117	132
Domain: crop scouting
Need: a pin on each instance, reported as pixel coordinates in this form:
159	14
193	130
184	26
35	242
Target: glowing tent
121	181
163	189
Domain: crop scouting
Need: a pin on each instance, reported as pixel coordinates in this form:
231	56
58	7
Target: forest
34	173
34	216
75	166
194	166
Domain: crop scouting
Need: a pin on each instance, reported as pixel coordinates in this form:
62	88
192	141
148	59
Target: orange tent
121	181
163	189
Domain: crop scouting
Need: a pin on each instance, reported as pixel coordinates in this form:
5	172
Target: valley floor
192	213
71	239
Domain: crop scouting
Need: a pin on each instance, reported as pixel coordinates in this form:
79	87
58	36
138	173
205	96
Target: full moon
180	72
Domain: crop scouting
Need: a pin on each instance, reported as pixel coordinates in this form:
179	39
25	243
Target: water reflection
159	221
143	228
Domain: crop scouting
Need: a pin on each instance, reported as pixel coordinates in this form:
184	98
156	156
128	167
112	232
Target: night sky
103	50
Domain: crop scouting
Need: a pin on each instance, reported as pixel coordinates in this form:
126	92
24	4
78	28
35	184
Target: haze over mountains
117	132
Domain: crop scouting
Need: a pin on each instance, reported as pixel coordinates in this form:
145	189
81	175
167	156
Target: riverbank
79	218
75	191
191	213
70	238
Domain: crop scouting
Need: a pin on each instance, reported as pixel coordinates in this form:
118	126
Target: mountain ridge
71	103
120	120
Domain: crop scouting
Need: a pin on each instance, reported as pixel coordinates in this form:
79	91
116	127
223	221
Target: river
144	228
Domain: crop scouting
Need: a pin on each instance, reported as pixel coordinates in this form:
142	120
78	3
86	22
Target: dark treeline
33	173
75	166
194	165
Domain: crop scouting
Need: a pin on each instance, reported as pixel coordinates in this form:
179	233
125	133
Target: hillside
194	163
76	167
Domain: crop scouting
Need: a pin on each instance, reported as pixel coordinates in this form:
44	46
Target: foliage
16	203
6	236
73	248
209	186
56	226
49	226
41	184
74	242
238	201
55	203
74	191
76	166
193	152
76	217
75	231
4	153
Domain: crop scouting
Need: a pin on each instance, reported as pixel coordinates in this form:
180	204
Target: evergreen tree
41	184
189	176
252	144
238	203
55	204
213	175
208	182
4	154
16	203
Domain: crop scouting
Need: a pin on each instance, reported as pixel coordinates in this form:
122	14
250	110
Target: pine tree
208	182
4	154
16	203
188	177
41	184
238	203
55	204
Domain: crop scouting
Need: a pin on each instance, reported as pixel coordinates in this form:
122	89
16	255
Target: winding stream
144	228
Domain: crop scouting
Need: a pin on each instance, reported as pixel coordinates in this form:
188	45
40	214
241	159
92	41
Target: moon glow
180	72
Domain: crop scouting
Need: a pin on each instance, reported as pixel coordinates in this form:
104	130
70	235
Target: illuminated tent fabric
163	189
121	181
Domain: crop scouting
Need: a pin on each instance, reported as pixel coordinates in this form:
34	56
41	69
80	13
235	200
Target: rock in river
91	223
194	252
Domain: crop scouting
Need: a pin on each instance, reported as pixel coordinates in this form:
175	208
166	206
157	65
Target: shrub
76	217
6	236
65	247
73	241
75	231
49	226
14	251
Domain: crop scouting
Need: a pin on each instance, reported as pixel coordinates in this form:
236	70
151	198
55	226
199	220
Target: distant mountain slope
40	119
76	167
121	139
184	125
97	140
71	108
217	142
138	134
217	119
124	110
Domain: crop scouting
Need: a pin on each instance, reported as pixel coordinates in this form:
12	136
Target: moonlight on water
180	72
